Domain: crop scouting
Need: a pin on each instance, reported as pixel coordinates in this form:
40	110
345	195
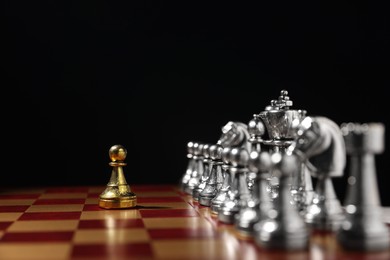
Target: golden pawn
117	194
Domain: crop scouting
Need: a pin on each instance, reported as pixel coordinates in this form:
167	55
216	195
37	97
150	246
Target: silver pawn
239	193
198	169
223	192
302	191
206	172
190	166
256	130
214	182
258	205
284	228
363	228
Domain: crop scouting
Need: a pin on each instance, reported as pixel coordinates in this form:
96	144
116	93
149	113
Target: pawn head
117	153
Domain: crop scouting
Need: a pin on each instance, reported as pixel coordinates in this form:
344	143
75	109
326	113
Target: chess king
280	122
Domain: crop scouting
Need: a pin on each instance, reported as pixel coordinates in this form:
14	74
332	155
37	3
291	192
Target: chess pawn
256	130
239	193
206	172
215	180
302	189
198	169
259	203
223	192
363	228
190	166
284	228
117	194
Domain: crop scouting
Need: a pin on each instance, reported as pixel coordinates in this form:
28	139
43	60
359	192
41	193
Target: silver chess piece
234	135
256	130
239	193
363	228
249	203
198	169
302	191
321	147
280	122
284	227
258	205
190	165
223	192
206	172
215	179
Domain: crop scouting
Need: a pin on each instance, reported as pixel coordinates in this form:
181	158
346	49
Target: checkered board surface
66	223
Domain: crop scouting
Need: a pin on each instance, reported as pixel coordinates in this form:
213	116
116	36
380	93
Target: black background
81	76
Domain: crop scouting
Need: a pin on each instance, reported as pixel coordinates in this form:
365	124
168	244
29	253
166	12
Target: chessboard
67	223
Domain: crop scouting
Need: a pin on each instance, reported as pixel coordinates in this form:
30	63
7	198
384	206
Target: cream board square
111	236
43	225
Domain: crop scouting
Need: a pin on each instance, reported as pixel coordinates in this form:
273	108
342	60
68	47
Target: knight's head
310	139
232	134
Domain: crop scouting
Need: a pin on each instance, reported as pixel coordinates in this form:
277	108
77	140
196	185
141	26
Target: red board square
116	223
50	215
92	207
168	213
5	225
59	201
18	196
13	208
178	233
113	251
37	237
93	195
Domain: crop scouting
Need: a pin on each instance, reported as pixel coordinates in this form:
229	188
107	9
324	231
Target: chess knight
320	145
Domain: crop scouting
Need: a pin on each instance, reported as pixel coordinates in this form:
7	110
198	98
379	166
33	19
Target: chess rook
363	228
117	194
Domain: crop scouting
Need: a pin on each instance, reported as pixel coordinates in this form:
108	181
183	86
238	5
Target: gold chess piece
117	194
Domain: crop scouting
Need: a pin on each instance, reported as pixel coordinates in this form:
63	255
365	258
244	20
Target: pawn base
118	203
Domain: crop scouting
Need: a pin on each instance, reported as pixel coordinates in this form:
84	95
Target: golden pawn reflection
117	194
